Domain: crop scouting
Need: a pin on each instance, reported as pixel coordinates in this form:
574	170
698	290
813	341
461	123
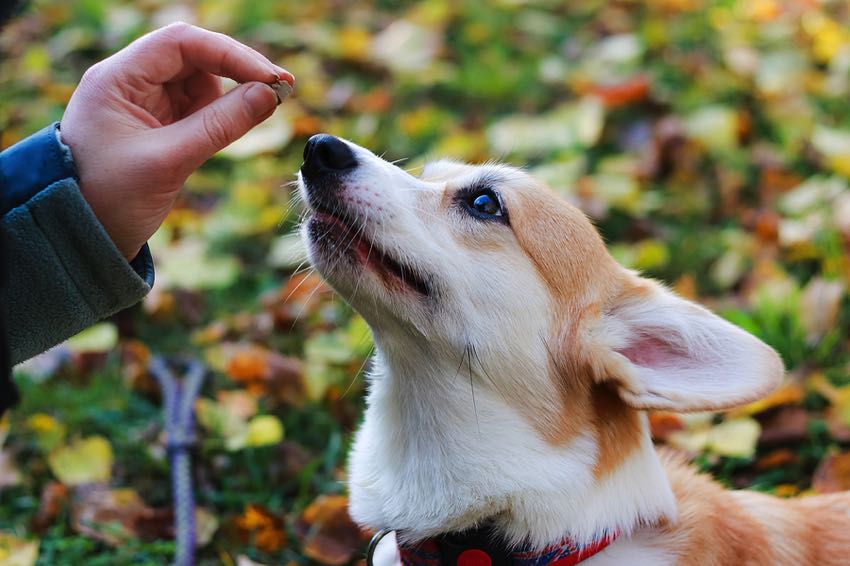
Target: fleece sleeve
63	271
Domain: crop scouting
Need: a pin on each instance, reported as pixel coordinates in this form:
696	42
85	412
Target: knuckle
177	28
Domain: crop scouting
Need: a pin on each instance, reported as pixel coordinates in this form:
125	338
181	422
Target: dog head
484	263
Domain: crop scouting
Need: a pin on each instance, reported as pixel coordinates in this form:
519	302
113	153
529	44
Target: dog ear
664	352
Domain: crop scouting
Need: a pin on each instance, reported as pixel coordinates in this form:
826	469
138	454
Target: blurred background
709	141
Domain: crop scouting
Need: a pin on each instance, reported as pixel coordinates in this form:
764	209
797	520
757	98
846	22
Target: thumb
215	126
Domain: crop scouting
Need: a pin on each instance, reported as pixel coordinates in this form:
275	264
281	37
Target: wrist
68	148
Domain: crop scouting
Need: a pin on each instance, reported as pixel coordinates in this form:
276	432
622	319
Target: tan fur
618	430
721	527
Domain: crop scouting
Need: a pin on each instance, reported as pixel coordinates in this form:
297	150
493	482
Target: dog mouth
335	234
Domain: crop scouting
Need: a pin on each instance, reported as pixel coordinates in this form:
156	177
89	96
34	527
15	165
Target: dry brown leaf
135	357
663	423
108	515
263	372
832	474
264	527
776	459
327	533
784	425
54	498
635	89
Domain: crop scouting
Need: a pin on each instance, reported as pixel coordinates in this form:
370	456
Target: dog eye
484	205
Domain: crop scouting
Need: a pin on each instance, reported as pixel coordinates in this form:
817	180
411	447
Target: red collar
477	548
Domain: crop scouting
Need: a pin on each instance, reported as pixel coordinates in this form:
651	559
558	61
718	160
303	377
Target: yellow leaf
788	394
690	441
86	460
735	437
98	338
354	42
15	551
218	420
49	432
264	430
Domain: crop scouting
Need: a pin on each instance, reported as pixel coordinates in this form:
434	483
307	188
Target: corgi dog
514	361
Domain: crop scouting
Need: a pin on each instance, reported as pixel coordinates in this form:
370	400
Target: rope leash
178	411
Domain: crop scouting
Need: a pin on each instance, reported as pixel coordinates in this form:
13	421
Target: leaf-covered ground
709	141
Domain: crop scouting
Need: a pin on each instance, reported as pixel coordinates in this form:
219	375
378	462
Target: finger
215	126
179	50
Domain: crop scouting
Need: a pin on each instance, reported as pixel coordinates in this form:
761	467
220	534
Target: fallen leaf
405	47
662	424
85	460
735	437
263	372
149	524
101	337
206	525
54	499
786	490
16	551
622	93
107	515
264	430
784	425
716	127
327	533
789	393
820	305
49	432
238	402
10	475
832	474
228	426
263	527
569	126
777	459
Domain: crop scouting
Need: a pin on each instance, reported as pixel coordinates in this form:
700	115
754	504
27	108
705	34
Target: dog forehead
444	170
561	241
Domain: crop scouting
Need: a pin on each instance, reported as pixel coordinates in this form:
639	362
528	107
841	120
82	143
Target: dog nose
326	154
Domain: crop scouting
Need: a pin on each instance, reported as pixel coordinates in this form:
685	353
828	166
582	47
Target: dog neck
437	454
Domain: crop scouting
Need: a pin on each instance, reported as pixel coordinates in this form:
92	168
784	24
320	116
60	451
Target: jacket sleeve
63	273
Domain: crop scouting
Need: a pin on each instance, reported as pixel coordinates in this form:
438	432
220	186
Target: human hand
143	119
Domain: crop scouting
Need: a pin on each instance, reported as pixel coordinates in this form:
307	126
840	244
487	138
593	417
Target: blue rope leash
178	406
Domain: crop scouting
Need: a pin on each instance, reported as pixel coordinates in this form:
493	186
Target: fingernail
285	75
261	99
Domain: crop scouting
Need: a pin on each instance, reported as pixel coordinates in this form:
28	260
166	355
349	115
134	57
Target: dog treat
282	89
